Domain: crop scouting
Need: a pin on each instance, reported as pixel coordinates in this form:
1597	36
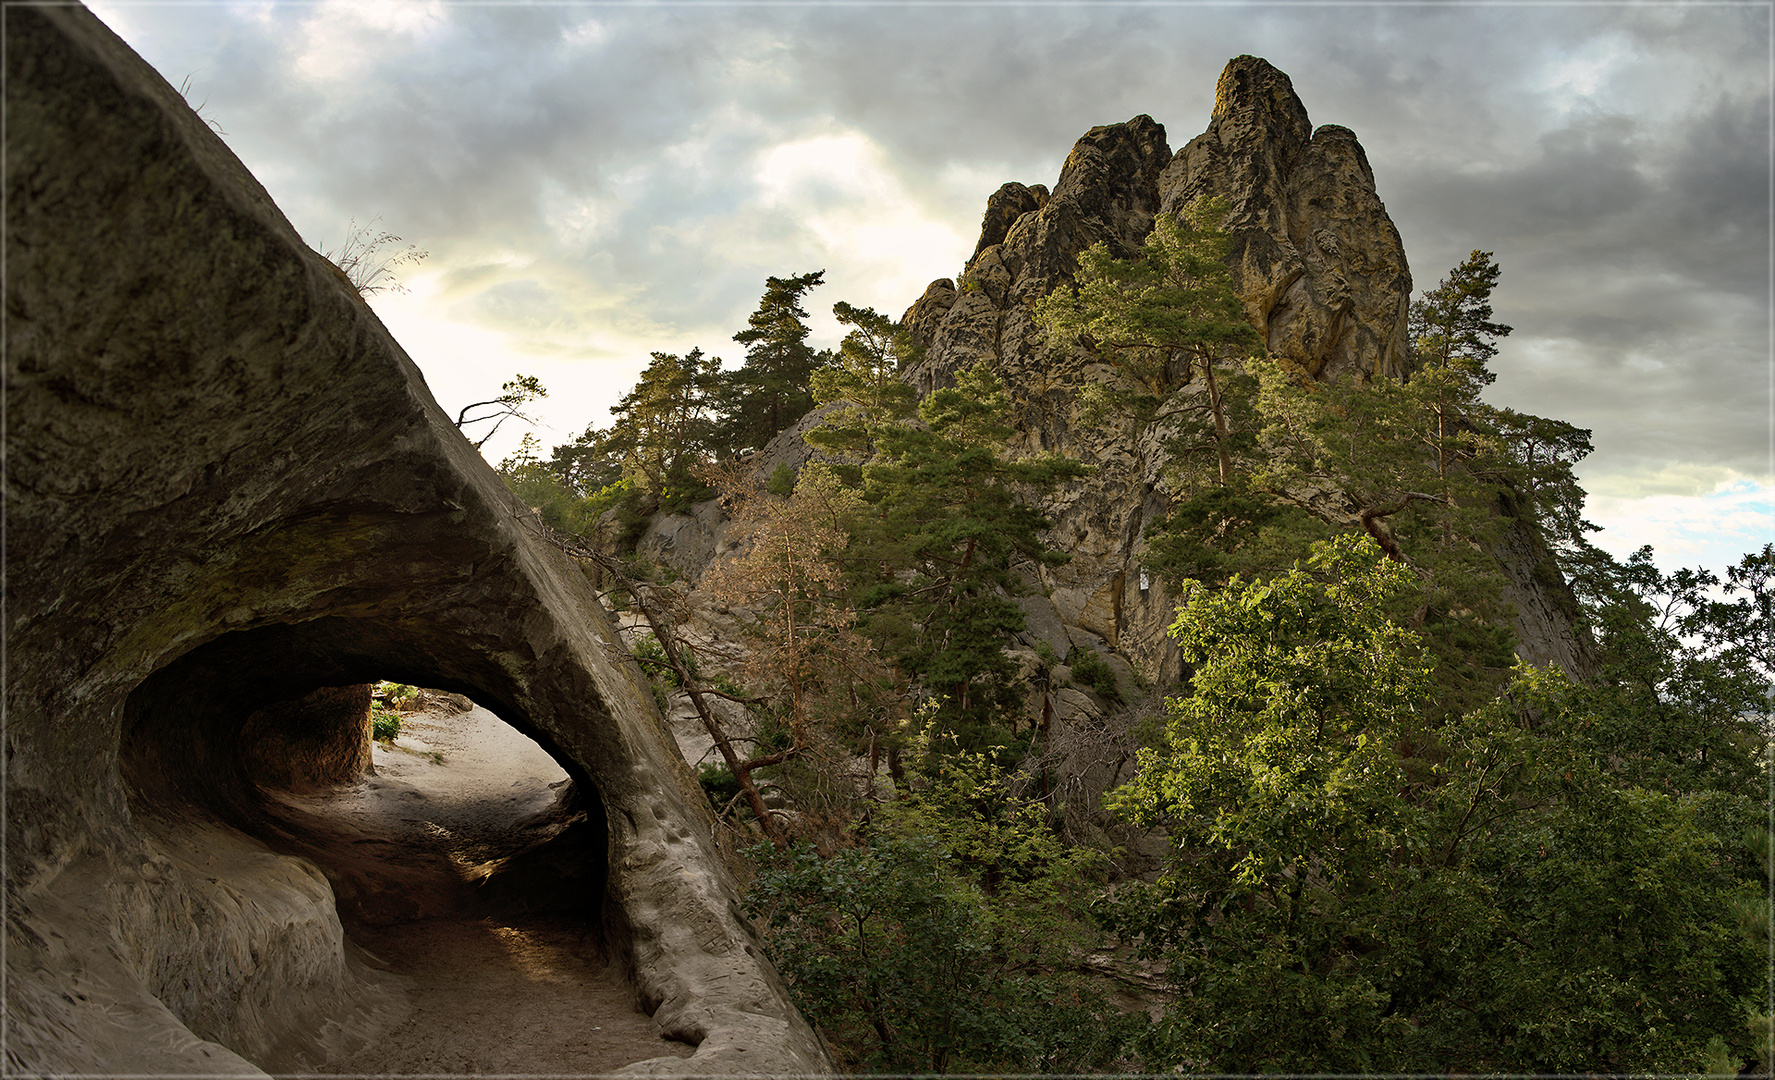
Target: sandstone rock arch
227	485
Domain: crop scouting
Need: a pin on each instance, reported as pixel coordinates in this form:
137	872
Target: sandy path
493	992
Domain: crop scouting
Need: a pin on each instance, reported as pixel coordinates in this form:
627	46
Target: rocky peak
1112	177
1029	243
1255	101
1003	208
1315	256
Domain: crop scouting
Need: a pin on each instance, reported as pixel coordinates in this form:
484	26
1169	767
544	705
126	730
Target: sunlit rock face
226	488
1315	256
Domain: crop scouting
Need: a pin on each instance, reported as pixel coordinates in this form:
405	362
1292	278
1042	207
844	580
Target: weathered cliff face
1316	259
1323	276
1315	256
226	487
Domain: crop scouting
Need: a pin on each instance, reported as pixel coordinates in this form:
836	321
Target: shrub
718	784
396	695
782	481
385	723
1092	668
946	942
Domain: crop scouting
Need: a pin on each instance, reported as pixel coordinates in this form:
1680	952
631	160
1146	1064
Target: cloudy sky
594	182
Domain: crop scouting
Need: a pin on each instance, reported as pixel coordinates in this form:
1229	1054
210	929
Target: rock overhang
226	484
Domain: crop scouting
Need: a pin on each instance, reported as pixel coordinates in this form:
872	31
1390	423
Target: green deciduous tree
1680	696
943	943
1363	884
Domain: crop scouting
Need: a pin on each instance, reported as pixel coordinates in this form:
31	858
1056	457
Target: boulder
685	541
227	487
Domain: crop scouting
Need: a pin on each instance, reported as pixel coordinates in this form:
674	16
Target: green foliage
1451	327
781	482
1097	674
385	723
865	383
395	695
664	427
769	391
1737	627
1680	698
541	488
1221	531
1176	298
1160	319
1433	474
1542	453
718	783
1380	445
652	658
1399	890
943	943
945	516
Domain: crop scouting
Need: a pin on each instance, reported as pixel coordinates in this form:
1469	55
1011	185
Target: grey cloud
1633	230
1577	179
1719	172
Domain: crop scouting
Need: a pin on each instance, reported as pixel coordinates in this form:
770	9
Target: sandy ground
494	992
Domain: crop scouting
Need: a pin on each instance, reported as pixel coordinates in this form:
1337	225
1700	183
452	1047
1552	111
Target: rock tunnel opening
264	730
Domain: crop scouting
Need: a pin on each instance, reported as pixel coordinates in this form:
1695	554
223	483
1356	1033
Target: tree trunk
1222	438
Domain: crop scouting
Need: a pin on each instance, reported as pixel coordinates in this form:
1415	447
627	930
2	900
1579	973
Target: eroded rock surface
1315	256
1324	279
227	486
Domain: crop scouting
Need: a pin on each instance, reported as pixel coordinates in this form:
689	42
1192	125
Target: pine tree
769	391
1454	339
1451	325
933	557
663	426
1161	319
865	383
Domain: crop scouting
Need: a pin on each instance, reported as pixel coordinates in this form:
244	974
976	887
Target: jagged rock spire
1315	256
1316	259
